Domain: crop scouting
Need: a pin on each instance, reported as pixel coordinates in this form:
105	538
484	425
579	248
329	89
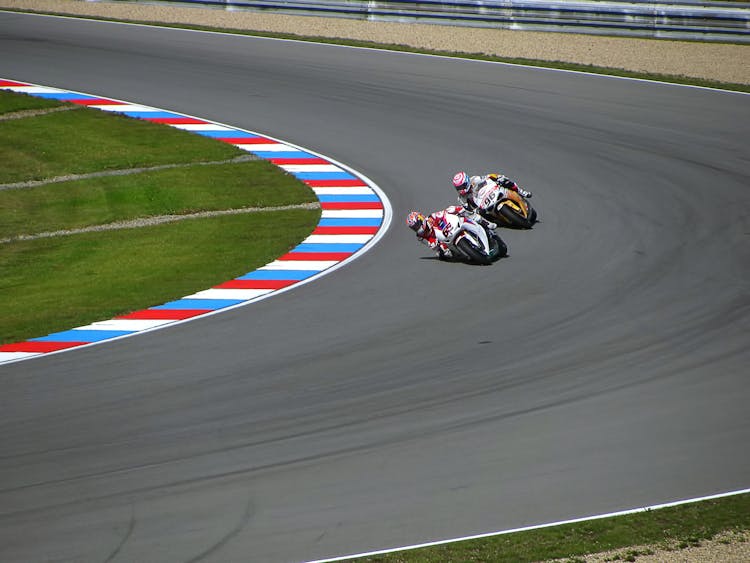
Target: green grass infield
83	141
176	191
55	281
55	284
11	102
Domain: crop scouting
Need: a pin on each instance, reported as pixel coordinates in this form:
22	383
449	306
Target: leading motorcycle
468	239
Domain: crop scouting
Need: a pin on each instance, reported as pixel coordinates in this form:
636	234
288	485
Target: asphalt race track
603	366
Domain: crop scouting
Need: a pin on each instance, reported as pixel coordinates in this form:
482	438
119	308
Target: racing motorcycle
505	207
469	240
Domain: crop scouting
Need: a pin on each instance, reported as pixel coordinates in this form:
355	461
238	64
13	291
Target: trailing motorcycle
469	240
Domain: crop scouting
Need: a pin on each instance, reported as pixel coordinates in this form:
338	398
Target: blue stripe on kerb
208	304
151	114
82	335
327	247
234	134
279	154
350	222
64	96
348	198
324	176
279	275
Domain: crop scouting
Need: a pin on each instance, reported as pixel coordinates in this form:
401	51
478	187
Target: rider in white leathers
468	187
424	227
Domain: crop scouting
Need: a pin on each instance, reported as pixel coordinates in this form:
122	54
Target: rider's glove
524	193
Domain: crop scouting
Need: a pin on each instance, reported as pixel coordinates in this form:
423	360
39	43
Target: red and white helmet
462	182
418	223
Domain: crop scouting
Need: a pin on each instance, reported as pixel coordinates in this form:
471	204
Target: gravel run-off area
712	61
722	62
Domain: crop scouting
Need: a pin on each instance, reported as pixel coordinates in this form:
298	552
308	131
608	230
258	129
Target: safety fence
704	21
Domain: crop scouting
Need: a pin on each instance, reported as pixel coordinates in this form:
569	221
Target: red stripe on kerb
12	83
177	120
298	160
235	140
96	102
345	230
39	347
335	183
258	141
337	256
175	314
351	205
256	284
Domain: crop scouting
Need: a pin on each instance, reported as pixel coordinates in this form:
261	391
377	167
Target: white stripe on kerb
276	147
352	213
124	107
200	127
336	239
354	190
10	356
126	324
35	90
241	294
312	265
310	168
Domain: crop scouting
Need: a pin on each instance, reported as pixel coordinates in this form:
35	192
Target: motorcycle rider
424	227
468	187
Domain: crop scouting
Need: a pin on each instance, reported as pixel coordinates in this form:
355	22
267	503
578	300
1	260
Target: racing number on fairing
445	226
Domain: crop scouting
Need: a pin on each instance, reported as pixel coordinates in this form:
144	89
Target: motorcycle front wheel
473	253
513	218
498	248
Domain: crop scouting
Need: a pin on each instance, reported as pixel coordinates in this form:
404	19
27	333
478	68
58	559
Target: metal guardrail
704	21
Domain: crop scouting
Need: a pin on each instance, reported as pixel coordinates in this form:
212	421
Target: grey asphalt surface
602	366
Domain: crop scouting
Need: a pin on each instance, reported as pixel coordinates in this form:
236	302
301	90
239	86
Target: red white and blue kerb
355	214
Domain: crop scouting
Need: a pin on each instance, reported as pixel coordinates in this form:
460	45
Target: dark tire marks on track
601	367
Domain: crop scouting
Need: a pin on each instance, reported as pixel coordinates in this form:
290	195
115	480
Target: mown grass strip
33	112
84	141
157	220
123	172
55	284
77	204
684	526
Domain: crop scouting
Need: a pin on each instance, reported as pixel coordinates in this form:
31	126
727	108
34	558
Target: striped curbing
355	214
